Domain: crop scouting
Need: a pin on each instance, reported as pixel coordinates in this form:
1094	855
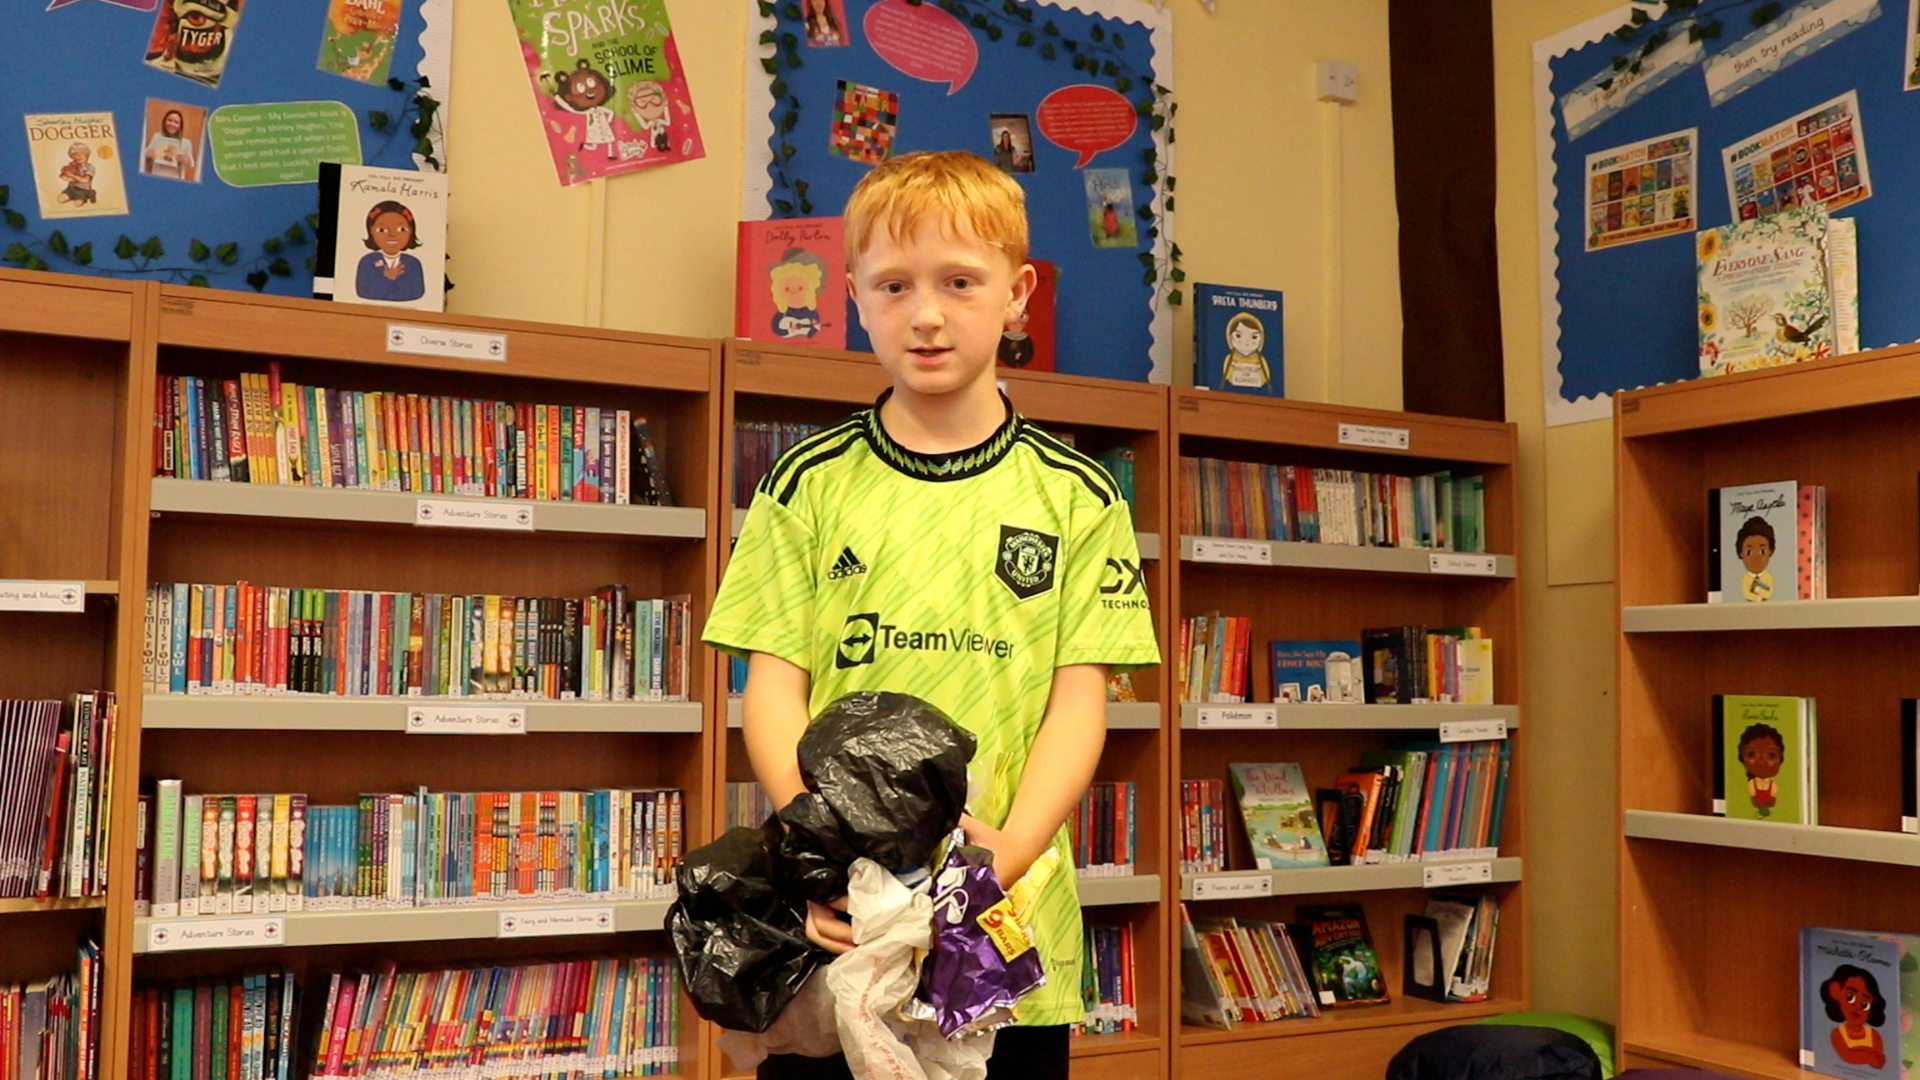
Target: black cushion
1495	1052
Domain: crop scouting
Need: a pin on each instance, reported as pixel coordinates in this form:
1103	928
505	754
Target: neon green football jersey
964	579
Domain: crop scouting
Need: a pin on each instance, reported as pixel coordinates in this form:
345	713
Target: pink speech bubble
1086	119
923	41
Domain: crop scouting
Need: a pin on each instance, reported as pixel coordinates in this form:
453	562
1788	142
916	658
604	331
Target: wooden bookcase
74	393
1332	592
777	383
1710	909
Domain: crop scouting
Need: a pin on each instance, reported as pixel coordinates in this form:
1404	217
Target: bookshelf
73	388
1695	890
766	383
1305	591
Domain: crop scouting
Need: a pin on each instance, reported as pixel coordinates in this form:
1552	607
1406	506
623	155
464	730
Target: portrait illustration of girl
1762	751
1853	1002
387	272
1246	362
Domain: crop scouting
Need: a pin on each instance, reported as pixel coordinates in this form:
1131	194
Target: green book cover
1276	806
1764	742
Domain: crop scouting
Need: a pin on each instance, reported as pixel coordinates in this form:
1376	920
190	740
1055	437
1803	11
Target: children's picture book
1339	955
194	38
1759	526
791	282
1853	1002
1317	671
383	237
611	93
1764	297
1768	758
1239	340
76	164
358	40
1203	1000
1276	806
1028	344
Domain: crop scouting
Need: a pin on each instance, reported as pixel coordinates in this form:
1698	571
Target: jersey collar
957	465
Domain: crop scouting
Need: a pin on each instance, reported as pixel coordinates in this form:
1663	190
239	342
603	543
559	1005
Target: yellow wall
1264	198
1568	572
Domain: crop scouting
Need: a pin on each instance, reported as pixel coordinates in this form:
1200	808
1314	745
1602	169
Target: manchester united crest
1025	564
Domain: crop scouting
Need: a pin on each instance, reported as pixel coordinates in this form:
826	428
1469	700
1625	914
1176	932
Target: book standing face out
383	237
791	283
1764	292
1759	542
1854	1002
1276	806
1239	340
1768	758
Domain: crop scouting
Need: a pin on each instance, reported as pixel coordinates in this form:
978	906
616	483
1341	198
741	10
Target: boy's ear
853	293
1024	281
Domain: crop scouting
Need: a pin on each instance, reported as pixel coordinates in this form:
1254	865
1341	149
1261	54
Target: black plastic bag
893	770
741	945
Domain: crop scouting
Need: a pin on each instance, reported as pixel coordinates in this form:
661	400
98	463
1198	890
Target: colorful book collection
220	1028
1119	464
610	1018
747	805
1404	665
1102	829
1203	826
1759	531
1766	758
262	639
255	854
757	444
1255	501
1106	981
50	1029
1417	801
257	429
1235	971
56	783
1212	662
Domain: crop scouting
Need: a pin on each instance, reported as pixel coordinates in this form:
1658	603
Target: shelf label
1232	888
1383	438
69	597
181	935
461	514
555	921
1442	875
1472	730
466	720
1233	552
440	341
1237	716
1452	562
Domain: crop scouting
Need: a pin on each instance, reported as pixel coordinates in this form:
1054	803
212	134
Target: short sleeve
765	603
1105	617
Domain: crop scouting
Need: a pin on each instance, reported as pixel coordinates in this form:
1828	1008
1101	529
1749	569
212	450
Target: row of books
50	1029
257	429
1251	500
263	639
1102	830
1758	531
1241	970
1460	955
1766	755
747	805
757	444
248	854
243	1027
1396	665
1203	826
56	783
1106	981
609	1017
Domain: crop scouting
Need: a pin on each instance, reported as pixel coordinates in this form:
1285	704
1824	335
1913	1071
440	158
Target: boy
939	545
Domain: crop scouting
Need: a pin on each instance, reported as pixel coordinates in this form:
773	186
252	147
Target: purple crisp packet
982	960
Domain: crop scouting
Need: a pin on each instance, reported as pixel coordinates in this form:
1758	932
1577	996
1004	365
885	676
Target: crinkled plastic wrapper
983	960
741	945
892	770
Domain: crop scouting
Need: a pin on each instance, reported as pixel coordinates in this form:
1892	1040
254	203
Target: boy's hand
1007	866
827	930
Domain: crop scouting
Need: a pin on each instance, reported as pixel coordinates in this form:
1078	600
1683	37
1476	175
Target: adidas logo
846	566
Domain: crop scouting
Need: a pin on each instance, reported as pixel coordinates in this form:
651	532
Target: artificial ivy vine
207	261
1707	26
1104	56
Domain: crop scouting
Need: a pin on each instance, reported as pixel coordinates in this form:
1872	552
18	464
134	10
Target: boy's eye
962	284
893	288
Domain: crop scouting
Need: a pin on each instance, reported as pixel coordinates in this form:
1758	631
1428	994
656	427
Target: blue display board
88	57
1626	313
1111	321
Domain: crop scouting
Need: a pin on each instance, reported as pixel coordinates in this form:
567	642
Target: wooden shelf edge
1128	889
1719	1055
1324	717
218	498
1300	555
28	905
386	925
314	712
1317	880
1821	841
1124	1042
1399	1012
1846	613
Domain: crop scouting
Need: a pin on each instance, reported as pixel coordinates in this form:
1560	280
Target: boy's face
935	305
1755	553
